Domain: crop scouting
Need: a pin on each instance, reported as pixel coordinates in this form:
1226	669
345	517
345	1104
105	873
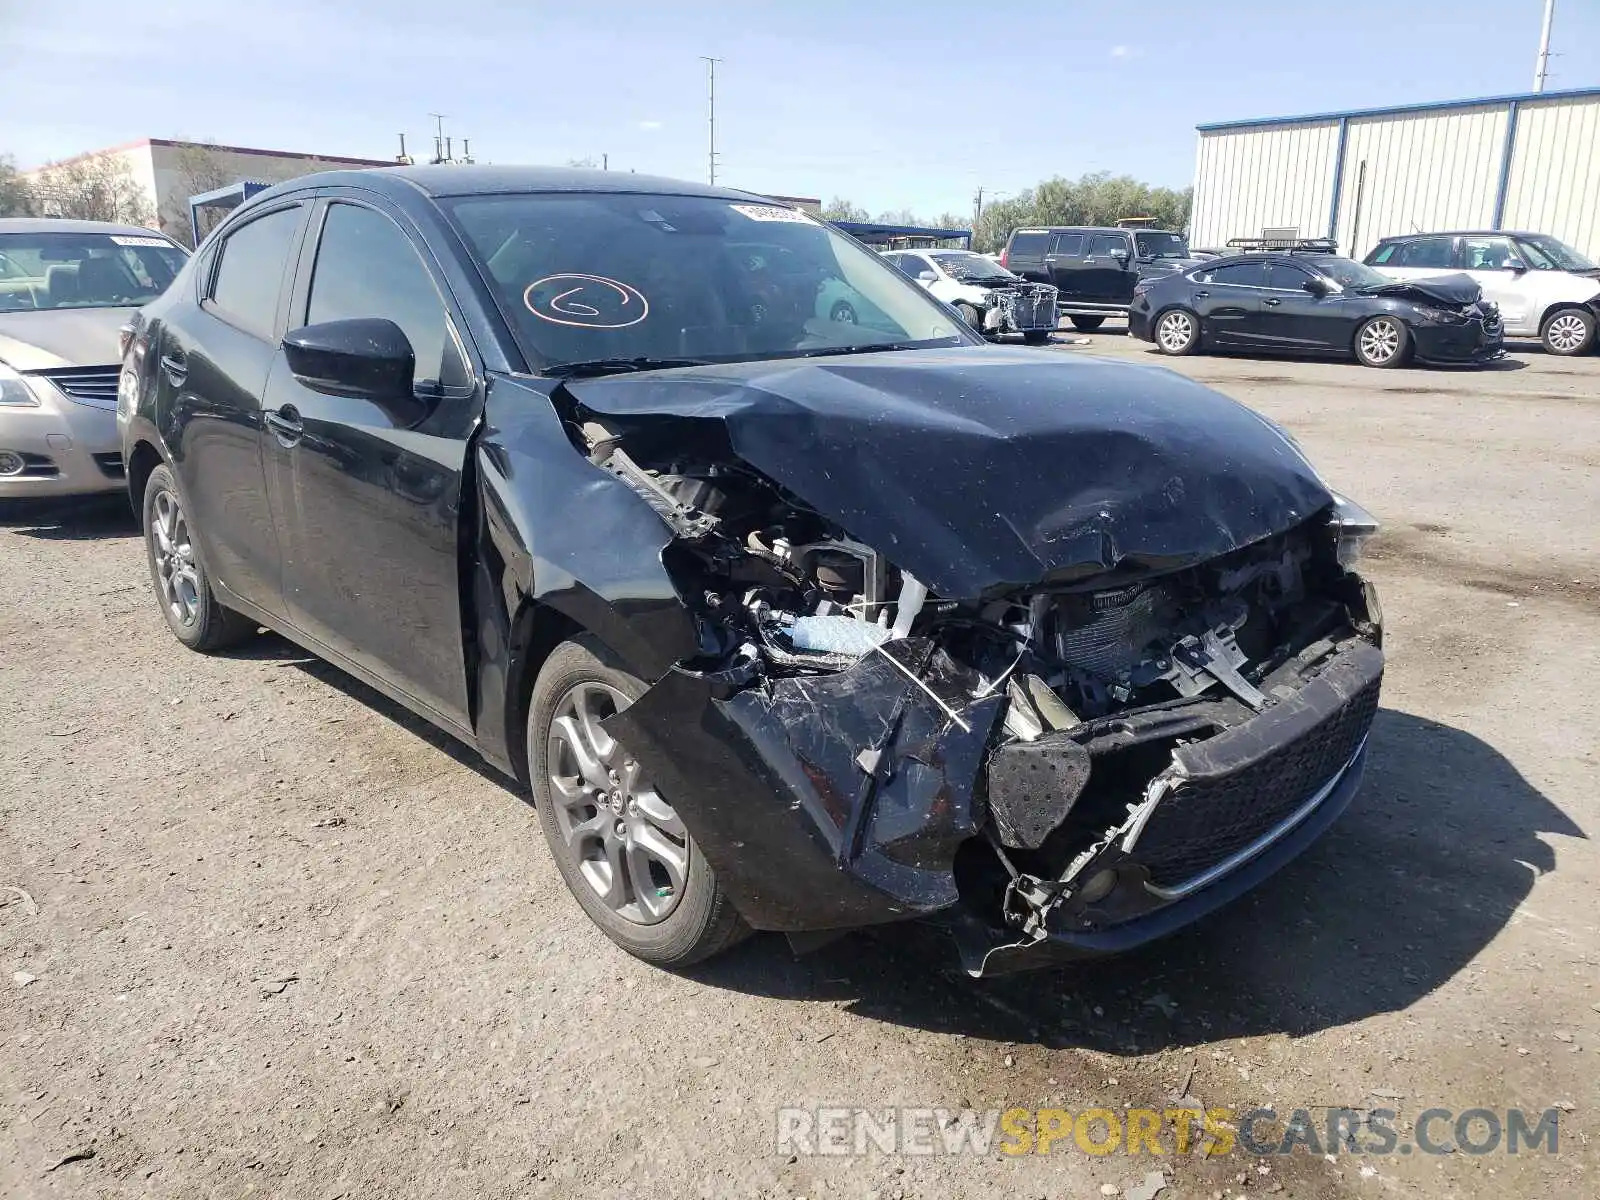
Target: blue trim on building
1338	177
1506	151
1403	109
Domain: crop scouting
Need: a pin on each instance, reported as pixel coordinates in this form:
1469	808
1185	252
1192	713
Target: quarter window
366	267
1426	252
1068	243
250	270
1029	243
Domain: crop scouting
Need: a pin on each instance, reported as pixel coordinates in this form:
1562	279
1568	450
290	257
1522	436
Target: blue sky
889	104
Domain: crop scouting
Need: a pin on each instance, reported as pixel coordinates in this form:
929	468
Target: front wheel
181	584
1177	331
971	316
1382	341
621	848
1087	324
1568	331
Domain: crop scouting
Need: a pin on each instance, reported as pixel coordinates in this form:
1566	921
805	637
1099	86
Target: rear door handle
286	423
175	367
1201	295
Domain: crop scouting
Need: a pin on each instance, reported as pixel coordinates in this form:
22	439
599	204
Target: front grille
110	465
96	386
1030	306
1204	821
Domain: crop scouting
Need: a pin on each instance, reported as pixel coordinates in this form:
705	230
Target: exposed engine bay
1042	758
1019	308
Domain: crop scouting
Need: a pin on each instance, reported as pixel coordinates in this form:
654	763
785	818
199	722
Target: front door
213	367
1292	318
368	502
1495	262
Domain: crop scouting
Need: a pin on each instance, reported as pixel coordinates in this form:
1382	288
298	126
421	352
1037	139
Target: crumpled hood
62	337
1460	290
975	469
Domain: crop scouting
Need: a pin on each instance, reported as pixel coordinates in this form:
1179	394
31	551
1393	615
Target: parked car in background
989	298
65	289
1094	269
1545	288
788	624
1314	302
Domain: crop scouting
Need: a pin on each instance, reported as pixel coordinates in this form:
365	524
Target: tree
16	197
94	187
840	209
1096	199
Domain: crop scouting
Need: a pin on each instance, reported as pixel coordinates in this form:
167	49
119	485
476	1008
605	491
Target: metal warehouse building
1528	162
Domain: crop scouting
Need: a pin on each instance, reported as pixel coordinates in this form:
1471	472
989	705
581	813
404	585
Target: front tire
1087	324
181	584
622	850
971	316
1177	331
1568	331
1382	341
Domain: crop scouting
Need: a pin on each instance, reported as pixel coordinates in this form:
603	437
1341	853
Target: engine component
1032	787
836	635
1105	633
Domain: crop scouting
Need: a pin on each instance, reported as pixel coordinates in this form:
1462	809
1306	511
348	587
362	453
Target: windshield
973	268
1346	272
1161	245
84	270
604	277
1548	254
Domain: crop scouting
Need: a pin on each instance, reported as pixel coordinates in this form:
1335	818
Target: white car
989	298
1544	288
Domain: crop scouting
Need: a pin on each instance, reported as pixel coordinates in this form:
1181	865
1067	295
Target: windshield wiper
829	351
618	366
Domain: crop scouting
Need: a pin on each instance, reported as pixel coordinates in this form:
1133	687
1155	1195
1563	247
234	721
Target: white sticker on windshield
123	239
772	212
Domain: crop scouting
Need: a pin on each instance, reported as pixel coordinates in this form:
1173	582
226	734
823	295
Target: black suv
1094	269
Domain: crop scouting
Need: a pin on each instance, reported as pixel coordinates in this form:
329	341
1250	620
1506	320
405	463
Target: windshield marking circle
562	309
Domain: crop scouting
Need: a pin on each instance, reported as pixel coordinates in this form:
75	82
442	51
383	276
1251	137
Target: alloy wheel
625	840
1175	331
1566	333
1380	340
176	570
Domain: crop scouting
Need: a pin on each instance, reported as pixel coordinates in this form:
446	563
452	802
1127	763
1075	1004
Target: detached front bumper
66	448
1459	344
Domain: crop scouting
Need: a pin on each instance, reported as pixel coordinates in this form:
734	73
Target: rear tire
182	586
1568	331
1382	341
1037	337
1087	324
621	849
1176	331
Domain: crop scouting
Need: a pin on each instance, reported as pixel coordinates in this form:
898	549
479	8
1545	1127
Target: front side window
1106	243
601	277
1485	254
1286	277
84	270
367	267
1245	274
1426	252
250	269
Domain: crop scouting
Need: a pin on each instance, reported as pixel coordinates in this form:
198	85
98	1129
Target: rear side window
1105	243
250	270
1426	252
1068	243
367	267
1247	274
1029	243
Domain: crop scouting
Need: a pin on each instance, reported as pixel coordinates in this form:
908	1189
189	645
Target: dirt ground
262	933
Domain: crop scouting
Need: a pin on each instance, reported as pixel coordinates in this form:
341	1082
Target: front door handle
286	423
1201	295
1272	301
175	368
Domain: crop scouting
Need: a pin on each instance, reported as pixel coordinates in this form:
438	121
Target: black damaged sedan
789	624
1314	302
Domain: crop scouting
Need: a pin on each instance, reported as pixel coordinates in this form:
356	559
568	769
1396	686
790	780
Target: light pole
1541	66
711	80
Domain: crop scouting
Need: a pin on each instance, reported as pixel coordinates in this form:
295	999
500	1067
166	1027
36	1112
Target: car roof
1408	237
64	225
1090	229
440	182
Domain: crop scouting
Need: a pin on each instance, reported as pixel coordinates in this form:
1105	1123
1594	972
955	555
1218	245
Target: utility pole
605	162
977	210
711	78
438	137
1541	66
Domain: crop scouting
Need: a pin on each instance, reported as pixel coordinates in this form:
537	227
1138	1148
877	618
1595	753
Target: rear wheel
621	848
1036	337
181	585
1382	341
1568	331
1087	324
1177	331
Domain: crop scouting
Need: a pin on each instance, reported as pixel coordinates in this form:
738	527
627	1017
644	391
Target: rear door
1228	299
369	504
1107	276
214	362
1064	265
1417	258
1491	259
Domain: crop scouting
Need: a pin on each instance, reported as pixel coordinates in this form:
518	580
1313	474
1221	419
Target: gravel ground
264	933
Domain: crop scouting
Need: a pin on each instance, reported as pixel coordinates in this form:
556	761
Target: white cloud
649	126
1120	52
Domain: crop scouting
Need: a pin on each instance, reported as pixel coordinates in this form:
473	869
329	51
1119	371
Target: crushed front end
1020	308
1066	768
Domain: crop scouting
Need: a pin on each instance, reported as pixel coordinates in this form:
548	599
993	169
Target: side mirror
367	359
1120	255
927	277
1317	287
1516	265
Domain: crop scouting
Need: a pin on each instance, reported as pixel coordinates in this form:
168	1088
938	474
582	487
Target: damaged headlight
1441	316
1352	525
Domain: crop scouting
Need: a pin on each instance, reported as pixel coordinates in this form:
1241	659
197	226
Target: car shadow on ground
70	519
1431	861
